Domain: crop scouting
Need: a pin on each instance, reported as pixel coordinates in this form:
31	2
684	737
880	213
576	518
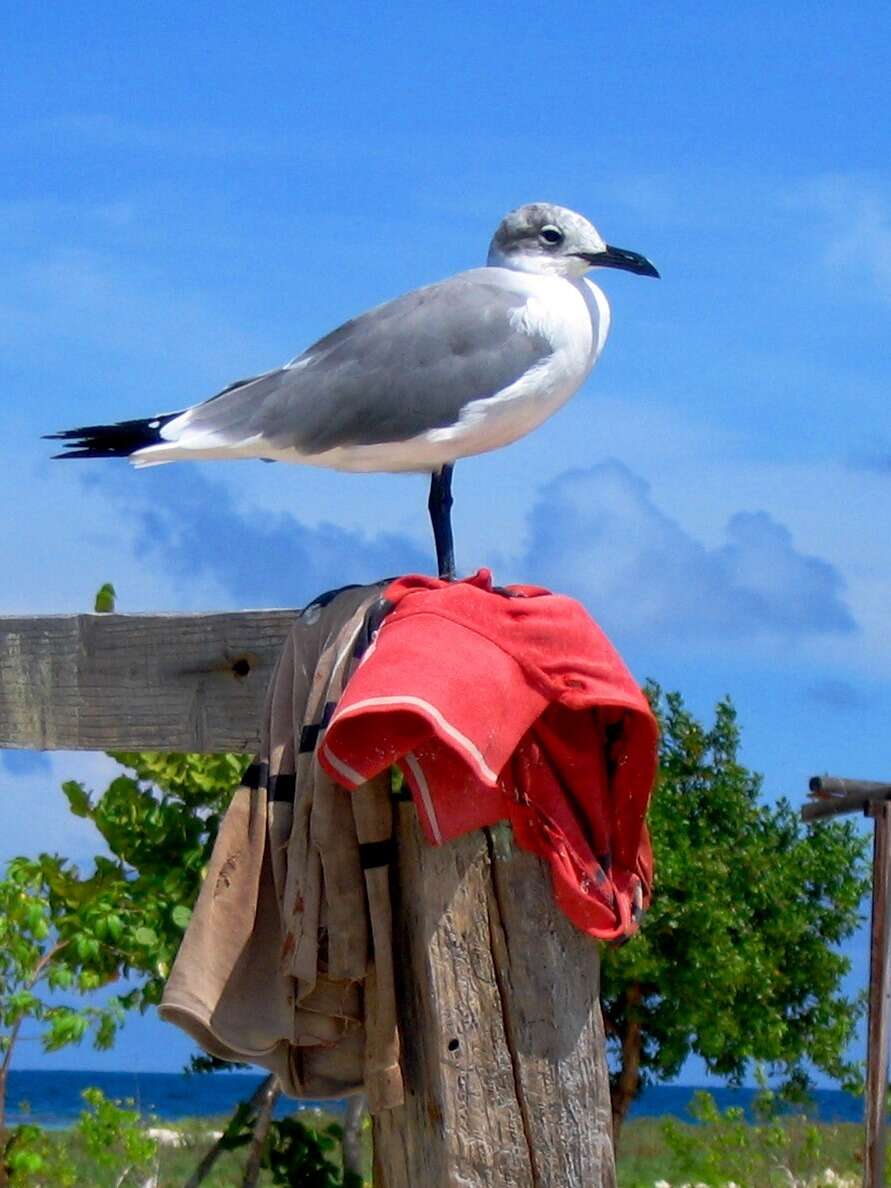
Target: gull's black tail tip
111	441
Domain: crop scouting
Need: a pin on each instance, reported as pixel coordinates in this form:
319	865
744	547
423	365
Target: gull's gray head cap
545	238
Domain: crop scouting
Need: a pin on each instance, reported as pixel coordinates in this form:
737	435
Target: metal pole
879	992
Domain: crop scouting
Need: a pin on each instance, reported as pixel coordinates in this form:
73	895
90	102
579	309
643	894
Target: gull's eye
551	235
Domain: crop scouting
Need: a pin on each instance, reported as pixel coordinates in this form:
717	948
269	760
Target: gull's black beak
614	257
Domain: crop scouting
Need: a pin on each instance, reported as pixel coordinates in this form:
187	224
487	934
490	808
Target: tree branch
629	1071
352	1134
261	1130
212	1155
13	1036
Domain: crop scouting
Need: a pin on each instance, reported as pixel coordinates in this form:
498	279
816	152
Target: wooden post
879	991
504	1053
833	796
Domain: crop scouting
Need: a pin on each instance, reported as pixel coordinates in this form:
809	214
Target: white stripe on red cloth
411	762
431	712
348	773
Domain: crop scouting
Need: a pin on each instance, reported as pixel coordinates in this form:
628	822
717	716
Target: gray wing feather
399	370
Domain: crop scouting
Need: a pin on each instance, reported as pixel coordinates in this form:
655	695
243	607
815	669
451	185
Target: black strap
256	776
282	787
374	616
309	735
374	854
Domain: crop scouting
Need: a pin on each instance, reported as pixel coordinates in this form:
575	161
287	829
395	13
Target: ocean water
827	1105
53	1099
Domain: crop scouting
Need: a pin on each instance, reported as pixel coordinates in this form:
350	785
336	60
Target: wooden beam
831	795
834	787
137	682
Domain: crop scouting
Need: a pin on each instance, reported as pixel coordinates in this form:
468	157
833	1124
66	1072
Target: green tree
109	1137
159	820
73	931
737	959
50	940
122	920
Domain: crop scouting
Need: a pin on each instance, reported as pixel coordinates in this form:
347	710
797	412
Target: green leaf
29	1162
181	916
145	936
60	977
78	798
105	599
114	926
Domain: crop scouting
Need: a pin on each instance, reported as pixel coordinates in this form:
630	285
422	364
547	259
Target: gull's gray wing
397	371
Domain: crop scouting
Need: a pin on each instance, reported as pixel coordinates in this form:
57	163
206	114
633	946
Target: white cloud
35	812
68	537
598	534
854	227
192	529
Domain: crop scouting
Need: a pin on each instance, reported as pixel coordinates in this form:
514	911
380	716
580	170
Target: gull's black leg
440	507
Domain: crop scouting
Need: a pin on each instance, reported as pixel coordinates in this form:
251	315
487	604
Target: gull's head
553	240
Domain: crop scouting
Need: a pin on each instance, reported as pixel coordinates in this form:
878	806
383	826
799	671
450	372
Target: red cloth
510	706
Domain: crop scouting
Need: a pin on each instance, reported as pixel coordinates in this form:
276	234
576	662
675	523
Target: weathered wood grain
504	1056
833	795
879	1001
548	976
137	682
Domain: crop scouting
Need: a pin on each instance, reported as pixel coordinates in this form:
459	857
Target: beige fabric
287	962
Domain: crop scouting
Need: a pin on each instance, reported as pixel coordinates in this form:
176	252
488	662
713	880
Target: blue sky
190	194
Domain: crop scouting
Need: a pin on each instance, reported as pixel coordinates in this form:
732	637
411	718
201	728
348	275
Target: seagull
456	368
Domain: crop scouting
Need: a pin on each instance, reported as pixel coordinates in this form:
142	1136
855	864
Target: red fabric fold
510	705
